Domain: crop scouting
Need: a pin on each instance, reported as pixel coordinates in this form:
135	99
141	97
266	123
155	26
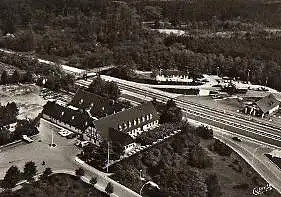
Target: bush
109	188
79	172
93	181
204	132
221	148
214	189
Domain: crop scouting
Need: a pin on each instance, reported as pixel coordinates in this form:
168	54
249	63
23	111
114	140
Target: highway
221	119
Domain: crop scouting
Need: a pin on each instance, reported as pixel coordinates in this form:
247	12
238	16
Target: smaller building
172	75
265	106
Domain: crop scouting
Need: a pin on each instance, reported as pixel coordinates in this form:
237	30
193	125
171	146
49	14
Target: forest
89	34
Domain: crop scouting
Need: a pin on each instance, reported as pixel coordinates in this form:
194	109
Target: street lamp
149	183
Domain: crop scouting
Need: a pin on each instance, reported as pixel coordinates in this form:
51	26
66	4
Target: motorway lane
251	150
253	129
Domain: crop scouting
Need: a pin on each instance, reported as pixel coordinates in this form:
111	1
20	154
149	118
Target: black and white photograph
140	98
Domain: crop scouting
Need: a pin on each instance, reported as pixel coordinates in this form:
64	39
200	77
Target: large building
124	126
100	119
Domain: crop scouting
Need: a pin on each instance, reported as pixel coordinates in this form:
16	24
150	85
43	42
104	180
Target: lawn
236	177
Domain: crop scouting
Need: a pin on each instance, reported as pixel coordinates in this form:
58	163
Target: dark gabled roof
85	100
98	106
117	136
267	103
76	118
113	121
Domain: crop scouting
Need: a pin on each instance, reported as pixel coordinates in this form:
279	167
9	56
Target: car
82	143
27	139
71	136
237	139
65	133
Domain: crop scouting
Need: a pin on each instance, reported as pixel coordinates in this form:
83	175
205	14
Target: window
72	117
130	124
120	128
139	120
86	123
102	108
135	122
143	118
147	117
92	104
150	116
62	113
81	101
125	126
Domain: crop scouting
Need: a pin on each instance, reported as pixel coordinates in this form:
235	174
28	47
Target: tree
93	181
27	77
15	77
11	178
79	172
46	173
29	171
109	188
103	88
204	132
214	189
171	113
4	78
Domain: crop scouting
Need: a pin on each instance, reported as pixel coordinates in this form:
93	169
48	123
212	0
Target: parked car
26	139
82	143
65	133
71	136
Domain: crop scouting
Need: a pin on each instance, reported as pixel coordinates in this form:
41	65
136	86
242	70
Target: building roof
172	72
261	94
117	136
76	118
85	100
98	106
267	103
113	121
256	94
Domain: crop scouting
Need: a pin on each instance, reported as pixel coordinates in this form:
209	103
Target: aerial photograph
140	98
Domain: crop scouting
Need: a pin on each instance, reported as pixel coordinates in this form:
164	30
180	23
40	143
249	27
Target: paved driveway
60	157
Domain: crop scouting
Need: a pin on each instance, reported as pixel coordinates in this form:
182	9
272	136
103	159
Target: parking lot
59	157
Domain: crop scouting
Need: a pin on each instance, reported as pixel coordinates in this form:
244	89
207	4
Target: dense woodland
89	34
